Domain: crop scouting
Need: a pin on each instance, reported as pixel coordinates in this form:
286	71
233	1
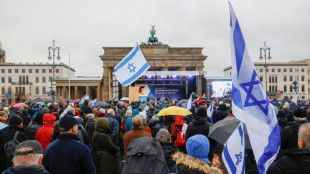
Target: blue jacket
114	128
128	124
68	155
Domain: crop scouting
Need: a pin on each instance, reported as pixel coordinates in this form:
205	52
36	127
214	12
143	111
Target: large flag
85	97
233	154
131	67
189	102
210	111
295	97
250	103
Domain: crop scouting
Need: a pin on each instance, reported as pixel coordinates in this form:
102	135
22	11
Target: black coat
32	130
169	149
86	109
200	125
145	155
220	114
34	169
68	155
90	129
289	135
155	126
295	161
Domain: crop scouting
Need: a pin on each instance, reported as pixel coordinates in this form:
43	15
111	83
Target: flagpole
151	68
69	78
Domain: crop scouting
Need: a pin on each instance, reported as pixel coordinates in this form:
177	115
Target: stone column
87	90
107	92
63	91
98	96
75	92
124	91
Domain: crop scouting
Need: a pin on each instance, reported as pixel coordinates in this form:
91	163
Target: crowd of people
130	137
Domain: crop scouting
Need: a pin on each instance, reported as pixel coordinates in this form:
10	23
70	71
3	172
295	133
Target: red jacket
44	134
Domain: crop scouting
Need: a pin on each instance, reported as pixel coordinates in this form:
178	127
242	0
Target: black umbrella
222	130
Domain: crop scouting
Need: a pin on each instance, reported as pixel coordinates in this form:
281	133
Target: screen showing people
221	89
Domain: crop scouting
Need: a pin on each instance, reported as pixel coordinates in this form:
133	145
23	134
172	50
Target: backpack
10	147
180	141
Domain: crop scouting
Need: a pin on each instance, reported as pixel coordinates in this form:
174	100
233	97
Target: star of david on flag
234	152
250	103
131	67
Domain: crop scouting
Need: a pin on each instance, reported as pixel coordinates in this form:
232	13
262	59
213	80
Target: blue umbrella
101	105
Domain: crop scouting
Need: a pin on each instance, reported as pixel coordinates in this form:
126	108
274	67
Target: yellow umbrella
174	110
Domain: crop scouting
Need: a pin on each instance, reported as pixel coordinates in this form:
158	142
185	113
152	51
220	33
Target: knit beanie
202	112
67	122
198	146
135	112
300	113
15	120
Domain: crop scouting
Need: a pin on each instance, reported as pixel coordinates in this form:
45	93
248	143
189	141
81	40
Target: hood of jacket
202	112
48	120
222	107
296	124
195	164
102	125
198	121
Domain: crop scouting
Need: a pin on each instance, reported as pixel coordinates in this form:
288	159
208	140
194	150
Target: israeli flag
233	154
295	97
210	111
250	103
86	97
93	101
189	102
131	67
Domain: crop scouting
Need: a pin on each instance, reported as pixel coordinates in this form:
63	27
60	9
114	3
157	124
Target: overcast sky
83	27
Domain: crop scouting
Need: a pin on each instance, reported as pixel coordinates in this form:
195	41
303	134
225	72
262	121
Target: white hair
27	160
304	134
102	110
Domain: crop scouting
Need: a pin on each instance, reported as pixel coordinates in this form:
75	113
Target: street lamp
265	49
53	48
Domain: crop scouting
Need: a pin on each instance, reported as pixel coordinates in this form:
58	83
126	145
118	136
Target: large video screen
221	89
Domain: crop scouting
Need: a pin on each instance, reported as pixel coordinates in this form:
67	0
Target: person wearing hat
196	160
67	154
289	134
90	128
27	159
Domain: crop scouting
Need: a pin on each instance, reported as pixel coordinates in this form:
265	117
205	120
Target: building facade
281	77
169	66
23	82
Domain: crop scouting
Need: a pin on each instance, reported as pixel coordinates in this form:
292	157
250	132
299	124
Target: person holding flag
250	103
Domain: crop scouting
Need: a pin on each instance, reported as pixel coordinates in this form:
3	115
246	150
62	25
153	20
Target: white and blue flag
189	102
210	111
93	101
233	154
131	67
86	97
295	97
250	103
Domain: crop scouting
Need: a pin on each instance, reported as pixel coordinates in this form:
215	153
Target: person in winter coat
200	125
26	118
154	125
27	159
85	107
145	156
295	160
44	134
135	133
282	120
90	128
15	128
220	114
67	155
150	114
289	134
169	149
196	161
104	148
34	127
128	124
114	127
